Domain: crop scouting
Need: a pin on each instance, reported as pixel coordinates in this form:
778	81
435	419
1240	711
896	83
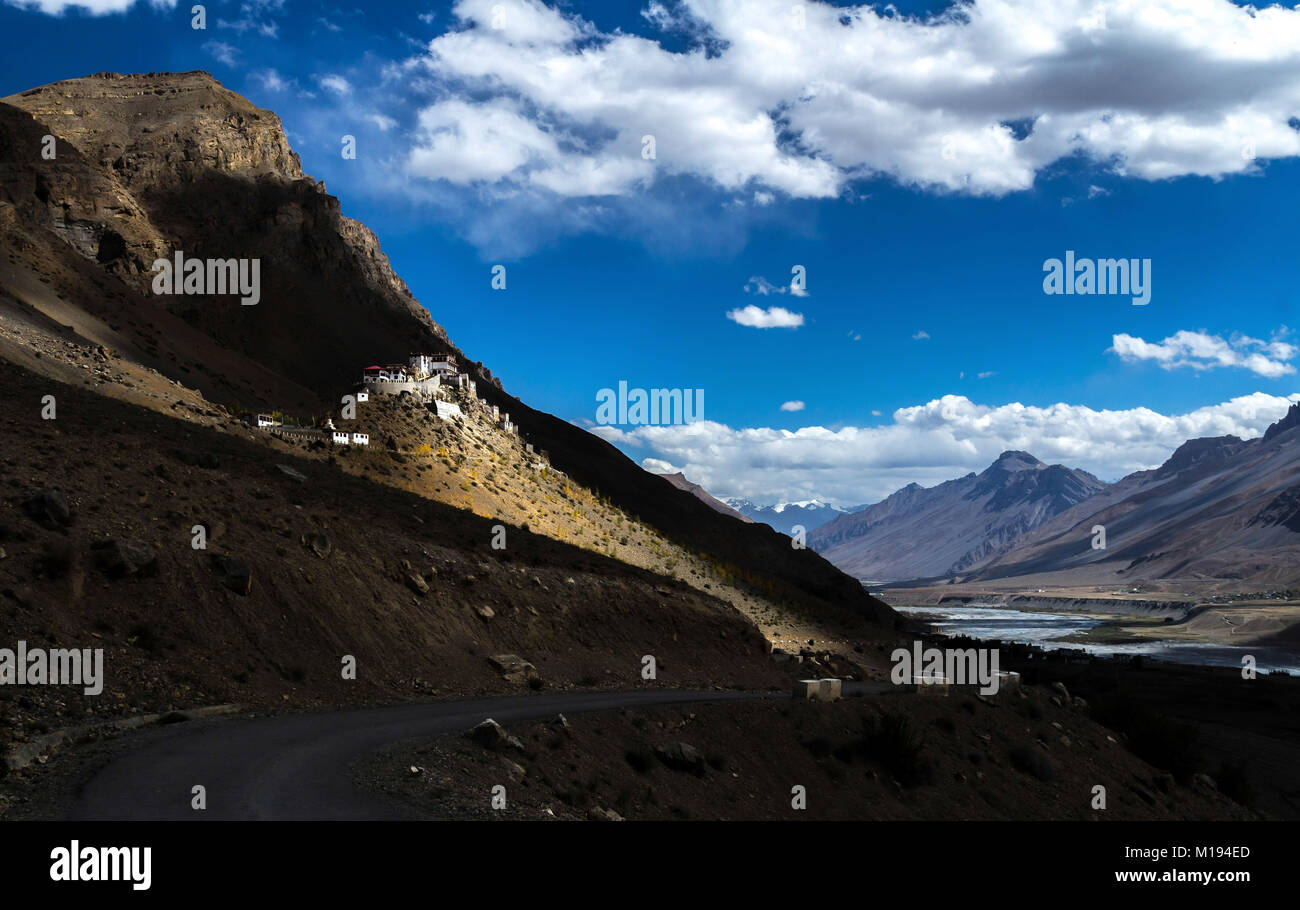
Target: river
1047	630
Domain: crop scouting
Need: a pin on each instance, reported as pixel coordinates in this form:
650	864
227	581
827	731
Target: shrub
1155	738
893	741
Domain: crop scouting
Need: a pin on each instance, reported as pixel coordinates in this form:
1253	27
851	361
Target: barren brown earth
336	565
897	756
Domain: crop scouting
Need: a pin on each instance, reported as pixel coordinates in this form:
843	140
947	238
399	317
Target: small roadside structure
340	437
818	689
933	685
361	439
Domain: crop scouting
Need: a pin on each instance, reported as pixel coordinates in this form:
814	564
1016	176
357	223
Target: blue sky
890	158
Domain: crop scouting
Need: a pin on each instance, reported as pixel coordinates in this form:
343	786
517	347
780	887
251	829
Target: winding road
297	766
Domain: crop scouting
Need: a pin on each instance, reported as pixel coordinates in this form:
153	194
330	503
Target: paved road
296	766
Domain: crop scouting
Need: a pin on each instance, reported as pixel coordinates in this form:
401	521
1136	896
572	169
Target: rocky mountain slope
302	563
150	164
1220	508
679	481
955	526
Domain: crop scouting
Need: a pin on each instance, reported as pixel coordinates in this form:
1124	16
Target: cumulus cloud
921	335
927	444
978	99
336	84
792	406
771	318
1202	351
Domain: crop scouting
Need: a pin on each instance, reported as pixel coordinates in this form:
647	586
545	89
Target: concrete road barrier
818	689
931	685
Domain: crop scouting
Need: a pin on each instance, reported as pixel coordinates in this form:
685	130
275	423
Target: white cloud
757	284
986	374
771	318
657	466
980	99
335	83
921	335
94	7
272	81
222	52
1201	351
256	15
942	439
793	406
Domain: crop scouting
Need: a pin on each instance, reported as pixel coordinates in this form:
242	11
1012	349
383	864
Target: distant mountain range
948	529
1221	508
809	514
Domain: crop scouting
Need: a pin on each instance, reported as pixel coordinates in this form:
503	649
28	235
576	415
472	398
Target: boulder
416	583
124	558
490	735
234	573
49	508
681	756
513	668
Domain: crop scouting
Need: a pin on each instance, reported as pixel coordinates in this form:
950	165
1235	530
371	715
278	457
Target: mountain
1219	508
147	165
680	482
784	516
939	531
